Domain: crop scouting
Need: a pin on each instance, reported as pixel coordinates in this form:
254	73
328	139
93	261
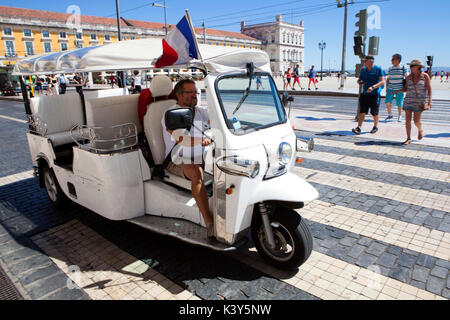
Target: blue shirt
371	78
312	73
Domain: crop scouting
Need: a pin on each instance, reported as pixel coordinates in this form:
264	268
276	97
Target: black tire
293	238
54	191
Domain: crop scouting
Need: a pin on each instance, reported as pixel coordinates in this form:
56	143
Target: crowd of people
289	74
53	84
410	89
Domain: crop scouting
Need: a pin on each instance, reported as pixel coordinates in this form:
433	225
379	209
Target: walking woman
417	99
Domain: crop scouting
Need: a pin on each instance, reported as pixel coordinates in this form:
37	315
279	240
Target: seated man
186	93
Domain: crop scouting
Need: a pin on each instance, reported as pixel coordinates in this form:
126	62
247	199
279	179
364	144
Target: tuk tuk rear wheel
54	191
293	238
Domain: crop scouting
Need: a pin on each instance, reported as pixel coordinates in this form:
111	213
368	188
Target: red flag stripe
169	56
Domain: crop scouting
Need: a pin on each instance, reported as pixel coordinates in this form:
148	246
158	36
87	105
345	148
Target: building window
63	46
284	37
93	36
273	38
79	44
47	47
10	51
26	32
29	48
45	34
62	35
107	37
79	36
7	32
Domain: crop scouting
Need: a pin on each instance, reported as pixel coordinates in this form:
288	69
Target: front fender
288	187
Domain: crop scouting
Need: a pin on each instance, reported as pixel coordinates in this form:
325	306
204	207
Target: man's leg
195	174
375	110
361	118
399	99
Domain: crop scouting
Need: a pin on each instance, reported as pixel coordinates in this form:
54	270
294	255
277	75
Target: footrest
183	230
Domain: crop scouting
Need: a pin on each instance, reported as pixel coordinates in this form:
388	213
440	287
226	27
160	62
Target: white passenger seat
113	111
110	112
161	86
59	113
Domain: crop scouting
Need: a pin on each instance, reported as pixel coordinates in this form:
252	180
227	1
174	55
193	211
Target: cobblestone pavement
381	230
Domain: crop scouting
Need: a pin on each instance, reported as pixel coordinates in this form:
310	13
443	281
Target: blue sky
411	27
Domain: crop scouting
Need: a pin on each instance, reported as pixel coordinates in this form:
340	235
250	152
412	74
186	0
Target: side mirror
179	118
286	98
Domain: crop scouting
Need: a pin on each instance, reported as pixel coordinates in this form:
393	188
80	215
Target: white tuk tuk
90	148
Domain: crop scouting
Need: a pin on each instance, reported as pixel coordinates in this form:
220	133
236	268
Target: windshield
249	110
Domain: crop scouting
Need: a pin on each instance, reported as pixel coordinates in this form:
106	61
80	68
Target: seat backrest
94	94
112	111
160	86
60	112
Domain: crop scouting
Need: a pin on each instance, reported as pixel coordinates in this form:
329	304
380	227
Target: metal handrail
117	138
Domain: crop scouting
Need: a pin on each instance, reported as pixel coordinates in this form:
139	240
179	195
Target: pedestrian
448	74
312	78
372	80
288	76
297	77
39	85
442	76
137	82
78	82
417	99
62	80
53	88
258	83
112	80
394	83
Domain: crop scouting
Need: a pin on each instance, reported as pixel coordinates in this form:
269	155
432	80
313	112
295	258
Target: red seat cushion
145	98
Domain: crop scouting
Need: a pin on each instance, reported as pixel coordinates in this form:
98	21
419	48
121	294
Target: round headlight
284	153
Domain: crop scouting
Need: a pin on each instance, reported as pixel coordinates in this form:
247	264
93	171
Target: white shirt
137	80
201	121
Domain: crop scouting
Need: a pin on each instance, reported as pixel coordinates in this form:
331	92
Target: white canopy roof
137	54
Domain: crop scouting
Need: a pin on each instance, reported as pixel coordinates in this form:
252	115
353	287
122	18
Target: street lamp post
155	4
322	46
120	73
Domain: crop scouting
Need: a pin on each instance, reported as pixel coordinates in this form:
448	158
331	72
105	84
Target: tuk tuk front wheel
293	238
54	191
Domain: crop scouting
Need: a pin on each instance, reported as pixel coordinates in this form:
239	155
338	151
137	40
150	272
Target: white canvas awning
137	55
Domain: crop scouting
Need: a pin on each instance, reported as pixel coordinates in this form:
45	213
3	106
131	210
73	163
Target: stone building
284	42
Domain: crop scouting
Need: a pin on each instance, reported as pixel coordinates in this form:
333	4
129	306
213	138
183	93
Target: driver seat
160	87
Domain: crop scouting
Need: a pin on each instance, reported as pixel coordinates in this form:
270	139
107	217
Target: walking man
372	80
394	83
297	78
312	78
62	83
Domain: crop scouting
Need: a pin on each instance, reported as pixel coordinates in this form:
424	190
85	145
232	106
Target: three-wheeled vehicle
86	147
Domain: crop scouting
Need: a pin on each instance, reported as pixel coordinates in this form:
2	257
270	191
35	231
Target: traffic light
362	23
358	47
430	60
373	45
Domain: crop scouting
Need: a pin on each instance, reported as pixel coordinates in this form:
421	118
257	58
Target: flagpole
194	35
